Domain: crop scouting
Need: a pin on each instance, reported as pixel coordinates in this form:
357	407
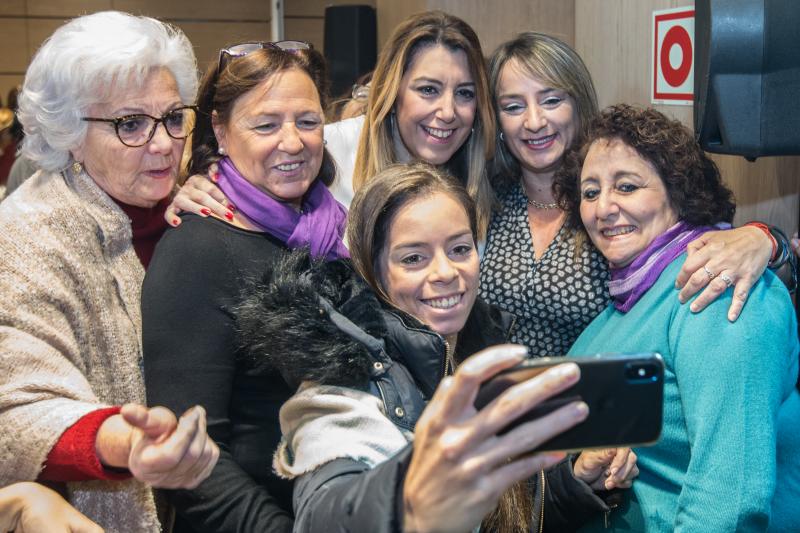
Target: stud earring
221	151
77	168
502	138
324	142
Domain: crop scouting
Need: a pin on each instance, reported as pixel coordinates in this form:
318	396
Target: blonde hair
376	147
558	66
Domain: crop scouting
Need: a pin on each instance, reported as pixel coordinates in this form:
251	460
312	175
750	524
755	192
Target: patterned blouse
555	297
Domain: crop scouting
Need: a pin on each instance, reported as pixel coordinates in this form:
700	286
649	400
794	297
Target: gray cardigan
70	333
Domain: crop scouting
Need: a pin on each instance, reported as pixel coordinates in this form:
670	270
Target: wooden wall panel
38	31
499	21
210	24
613	37
316	8
209	37
14	43
66	8
205	10
391	13
12	7
309	29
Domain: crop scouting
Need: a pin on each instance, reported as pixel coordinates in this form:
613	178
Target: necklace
542	205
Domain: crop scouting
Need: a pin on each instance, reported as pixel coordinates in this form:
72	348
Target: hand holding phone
624	393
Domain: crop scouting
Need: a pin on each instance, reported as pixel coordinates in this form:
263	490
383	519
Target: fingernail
613	471
232	207
214	177
175	221
229	215
681	299
581	410
607	473
205	211
693	307
568	370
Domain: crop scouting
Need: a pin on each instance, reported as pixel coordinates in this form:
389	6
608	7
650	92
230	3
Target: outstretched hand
169	453
460	466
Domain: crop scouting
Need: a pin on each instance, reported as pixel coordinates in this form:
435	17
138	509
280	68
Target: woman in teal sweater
729	454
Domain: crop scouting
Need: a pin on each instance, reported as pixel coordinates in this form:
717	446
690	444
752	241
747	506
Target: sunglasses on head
242	49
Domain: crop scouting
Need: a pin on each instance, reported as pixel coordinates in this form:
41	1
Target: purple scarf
319	225
629	283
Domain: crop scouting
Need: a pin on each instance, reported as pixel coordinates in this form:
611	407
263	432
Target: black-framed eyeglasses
242	49
137	129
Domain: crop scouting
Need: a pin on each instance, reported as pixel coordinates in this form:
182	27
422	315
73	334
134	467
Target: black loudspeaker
747	77
350	44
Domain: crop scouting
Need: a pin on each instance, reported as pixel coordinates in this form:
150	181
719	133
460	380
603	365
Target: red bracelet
765	229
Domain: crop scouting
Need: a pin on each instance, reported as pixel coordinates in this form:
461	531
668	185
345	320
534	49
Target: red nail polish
232	208
229	215
206	211
214	177
175	221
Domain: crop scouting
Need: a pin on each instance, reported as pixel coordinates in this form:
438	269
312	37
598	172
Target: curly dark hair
692	179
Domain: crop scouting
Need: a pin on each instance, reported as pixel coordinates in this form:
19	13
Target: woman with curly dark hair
642	189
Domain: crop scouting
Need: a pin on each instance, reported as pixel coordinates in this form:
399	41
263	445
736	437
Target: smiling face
435	105
136	176
539	123
624	203
429	265
274	135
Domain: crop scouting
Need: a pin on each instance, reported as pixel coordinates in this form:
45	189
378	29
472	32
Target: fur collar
283	326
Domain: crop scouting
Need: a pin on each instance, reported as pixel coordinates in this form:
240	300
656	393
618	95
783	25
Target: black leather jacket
371	346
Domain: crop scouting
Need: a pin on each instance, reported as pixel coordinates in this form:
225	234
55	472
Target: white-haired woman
106	106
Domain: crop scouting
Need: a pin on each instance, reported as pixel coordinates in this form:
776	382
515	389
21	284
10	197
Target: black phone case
625	409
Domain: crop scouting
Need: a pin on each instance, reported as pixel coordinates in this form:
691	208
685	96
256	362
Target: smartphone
624	393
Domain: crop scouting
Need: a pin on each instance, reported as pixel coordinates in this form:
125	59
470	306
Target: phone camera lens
641	372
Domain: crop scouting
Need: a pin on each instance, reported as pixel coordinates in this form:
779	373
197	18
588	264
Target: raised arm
457	468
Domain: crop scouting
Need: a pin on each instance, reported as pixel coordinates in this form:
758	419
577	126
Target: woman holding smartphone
379	348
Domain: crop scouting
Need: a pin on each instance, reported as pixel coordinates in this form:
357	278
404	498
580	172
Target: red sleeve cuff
74	456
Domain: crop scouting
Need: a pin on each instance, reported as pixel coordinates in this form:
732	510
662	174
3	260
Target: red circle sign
677	35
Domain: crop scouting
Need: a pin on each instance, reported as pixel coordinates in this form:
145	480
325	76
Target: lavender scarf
319	225
629	283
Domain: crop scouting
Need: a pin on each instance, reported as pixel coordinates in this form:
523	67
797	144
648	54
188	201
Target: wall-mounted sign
673	56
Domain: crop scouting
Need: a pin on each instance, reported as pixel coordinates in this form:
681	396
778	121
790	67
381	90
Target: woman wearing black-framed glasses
76	239
260	119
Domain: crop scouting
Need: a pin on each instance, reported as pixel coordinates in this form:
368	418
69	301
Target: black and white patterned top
553	298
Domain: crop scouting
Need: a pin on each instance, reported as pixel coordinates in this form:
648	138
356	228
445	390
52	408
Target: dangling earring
77	168
221	151
502	139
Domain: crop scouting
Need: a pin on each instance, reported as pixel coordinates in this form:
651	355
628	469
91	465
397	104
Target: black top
554	297
191	357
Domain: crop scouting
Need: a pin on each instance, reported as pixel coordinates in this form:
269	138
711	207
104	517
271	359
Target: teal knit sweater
729	454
